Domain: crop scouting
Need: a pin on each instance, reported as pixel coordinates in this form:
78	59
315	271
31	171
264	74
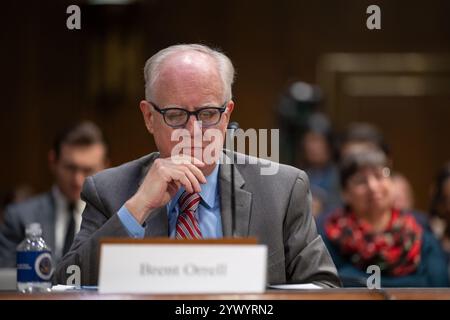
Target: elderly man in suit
188	196
77	152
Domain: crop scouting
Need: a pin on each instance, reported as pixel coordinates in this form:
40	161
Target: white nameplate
182	268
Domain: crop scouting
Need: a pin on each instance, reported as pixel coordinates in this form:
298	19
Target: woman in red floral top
368	231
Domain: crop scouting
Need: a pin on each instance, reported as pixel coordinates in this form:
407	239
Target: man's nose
194	126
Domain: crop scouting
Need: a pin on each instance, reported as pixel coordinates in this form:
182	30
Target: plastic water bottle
34	262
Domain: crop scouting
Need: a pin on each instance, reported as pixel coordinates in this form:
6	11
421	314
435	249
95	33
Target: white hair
153	65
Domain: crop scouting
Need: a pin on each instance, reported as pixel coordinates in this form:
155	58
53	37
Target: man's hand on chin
163	181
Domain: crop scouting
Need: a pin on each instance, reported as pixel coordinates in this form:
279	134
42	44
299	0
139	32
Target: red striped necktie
187	223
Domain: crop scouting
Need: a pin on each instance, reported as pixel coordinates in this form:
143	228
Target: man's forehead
192	58
189	58
190	79
90	150
187	64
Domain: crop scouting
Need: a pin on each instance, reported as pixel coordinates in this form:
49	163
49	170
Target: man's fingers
192	164
173	187
197	173
183	170
181	177
194	181
198	162
184	159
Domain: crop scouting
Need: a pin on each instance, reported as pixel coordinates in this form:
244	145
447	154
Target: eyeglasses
178	117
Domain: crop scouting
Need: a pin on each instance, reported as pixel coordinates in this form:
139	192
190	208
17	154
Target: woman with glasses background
369	231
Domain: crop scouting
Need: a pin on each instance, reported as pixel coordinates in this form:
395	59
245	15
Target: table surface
323	294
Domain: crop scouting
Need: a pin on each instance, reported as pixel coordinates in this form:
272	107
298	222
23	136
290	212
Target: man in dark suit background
77	152
187	194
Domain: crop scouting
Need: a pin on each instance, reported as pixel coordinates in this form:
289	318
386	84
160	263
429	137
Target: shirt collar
208	192
61	201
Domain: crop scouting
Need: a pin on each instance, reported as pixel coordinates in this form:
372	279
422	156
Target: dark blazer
274	208
40	209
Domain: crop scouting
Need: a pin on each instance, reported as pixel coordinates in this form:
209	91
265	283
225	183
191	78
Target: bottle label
34	266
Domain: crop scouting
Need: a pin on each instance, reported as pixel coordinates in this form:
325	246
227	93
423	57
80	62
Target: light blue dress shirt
208	212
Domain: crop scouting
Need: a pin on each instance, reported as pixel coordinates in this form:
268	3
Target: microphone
232	127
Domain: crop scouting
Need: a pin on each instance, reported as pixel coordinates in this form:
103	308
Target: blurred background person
316	154
360	136
78	152
440	208
296	110
402	192
370	231
403	198
319	199
357	137
15	195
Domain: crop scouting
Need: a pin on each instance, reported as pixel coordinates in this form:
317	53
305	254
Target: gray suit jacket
40	209
276	209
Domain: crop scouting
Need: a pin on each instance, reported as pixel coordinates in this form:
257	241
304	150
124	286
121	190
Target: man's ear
230	108
147	114
51	157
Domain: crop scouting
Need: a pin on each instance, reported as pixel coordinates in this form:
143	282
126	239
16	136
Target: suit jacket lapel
243	201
